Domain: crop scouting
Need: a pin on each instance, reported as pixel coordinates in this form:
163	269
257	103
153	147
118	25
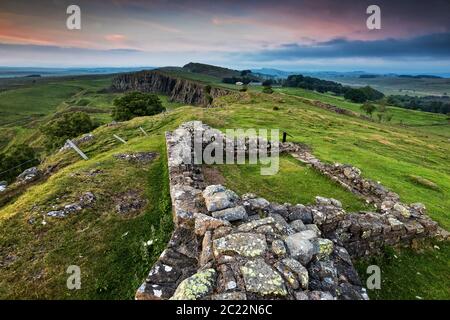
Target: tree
355	95
136	104
69	126
368	108
372	94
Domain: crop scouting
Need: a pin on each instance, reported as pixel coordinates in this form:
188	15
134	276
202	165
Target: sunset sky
289	35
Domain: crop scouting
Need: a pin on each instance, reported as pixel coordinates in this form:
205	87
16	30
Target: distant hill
19	72
272	72
211	70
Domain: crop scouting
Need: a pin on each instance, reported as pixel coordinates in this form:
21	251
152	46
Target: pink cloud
115	37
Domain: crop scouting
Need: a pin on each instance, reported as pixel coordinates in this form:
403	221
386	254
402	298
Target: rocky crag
228	247
178	89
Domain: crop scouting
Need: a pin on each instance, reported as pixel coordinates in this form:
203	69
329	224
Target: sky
290	35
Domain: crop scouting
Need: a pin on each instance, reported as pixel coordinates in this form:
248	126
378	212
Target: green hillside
109	246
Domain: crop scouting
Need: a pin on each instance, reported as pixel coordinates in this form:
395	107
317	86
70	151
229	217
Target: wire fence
18	166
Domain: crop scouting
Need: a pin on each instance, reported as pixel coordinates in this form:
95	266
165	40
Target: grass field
24	109
294	183
426	122
109	247
398	85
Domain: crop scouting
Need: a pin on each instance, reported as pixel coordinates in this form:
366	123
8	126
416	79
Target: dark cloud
428	46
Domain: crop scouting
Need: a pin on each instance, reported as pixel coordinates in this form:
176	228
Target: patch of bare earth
213	175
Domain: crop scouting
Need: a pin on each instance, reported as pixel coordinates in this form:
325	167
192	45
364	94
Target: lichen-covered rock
320	295
256	205
233	296
300	271
300	248
197	286
261	279
321	201
265	229
419	207
352	172
322	248
206	254
298	225
402	210
249	226
395	224
217	197
300	212
231	214
281	224
278	248
288	275
305	235
244	244
204	223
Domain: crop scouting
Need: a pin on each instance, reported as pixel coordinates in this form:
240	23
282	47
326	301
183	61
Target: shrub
267	89
388	117
368	108
243	89
136	104
69	126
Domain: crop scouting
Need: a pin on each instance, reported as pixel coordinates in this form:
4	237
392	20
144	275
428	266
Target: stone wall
228	247
364	233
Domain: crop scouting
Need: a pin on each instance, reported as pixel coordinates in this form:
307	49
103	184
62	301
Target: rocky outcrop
86	200
138	157
29	175
178	89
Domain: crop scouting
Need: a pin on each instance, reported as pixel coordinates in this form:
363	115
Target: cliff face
179	90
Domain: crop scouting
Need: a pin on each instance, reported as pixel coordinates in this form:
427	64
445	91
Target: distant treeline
358	95
420	76
429	104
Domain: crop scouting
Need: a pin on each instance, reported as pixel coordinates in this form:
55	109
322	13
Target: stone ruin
226	247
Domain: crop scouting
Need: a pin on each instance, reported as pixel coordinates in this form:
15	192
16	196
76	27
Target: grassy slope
410	274
397	85
426	122
23	110
106	245
385	153
114	267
